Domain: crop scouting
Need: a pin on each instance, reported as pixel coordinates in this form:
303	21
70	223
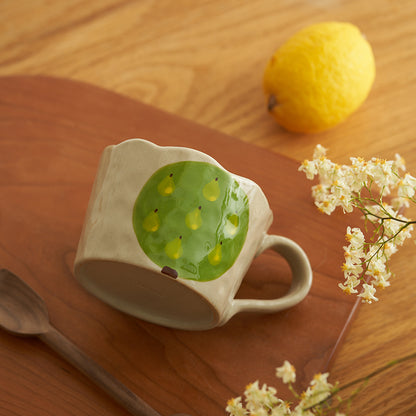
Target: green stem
364	379
378	371
407	222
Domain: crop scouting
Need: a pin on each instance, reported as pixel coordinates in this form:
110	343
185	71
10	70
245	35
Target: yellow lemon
319	77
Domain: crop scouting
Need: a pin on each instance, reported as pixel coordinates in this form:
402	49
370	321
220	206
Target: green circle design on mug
191	219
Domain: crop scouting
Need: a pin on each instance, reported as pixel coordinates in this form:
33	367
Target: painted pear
214	257
166	186
174	249
231	225
193	219
211	190
152	222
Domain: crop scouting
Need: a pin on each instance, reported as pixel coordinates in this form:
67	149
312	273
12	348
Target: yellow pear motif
174	248
211	190
215	256
193	219
152	222
166	186
231	226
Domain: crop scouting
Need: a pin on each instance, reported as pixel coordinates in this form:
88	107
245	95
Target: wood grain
204	61
24	313
52	157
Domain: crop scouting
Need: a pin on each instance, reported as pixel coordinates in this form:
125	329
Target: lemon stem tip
272	102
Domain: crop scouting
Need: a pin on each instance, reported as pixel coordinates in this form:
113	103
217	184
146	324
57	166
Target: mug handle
301	278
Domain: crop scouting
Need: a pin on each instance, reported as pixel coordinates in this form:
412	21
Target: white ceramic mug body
118	266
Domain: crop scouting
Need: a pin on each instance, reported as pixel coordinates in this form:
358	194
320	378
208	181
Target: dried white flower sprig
262	401
367	186
320	398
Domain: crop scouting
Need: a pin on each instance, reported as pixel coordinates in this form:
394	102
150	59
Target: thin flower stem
389	218
364	379
361	204
381	245
293	391
379	371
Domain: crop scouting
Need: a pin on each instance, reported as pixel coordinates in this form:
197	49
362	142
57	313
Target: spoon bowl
22	311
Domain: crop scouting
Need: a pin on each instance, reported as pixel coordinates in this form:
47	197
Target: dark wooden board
52	133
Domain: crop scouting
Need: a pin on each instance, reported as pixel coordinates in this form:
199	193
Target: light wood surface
204	61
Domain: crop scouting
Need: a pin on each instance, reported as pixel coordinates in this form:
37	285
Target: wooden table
204	62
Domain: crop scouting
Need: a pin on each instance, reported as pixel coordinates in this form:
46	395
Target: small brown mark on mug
170	272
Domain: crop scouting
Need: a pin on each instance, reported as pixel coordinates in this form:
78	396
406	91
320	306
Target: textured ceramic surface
169	235
191	219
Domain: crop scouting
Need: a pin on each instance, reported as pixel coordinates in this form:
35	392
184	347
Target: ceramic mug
169	235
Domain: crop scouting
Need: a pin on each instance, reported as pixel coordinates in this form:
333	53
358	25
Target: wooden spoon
23	312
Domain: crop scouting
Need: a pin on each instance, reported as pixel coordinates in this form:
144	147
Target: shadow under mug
169	236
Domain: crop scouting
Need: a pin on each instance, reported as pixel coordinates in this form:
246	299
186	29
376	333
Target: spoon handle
118	391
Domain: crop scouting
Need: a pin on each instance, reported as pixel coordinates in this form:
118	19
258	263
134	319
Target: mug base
145	294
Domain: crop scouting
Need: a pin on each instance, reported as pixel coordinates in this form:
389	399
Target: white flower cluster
340	185
263	401
365	185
